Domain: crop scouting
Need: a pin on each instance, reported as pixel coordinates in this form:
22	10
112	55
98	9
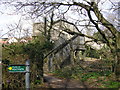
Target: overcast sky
6	19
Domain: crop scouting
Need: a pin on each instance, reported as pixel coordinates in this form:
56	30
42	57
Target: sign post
22	68
27	75
0	74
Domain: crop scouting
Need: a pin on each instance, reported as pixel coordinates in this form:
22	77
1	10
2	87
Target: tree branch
61	46
97	27
104	22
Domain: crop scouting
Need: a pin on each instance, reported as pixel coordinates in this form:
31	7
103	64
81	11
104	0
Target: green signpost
22	68
17	68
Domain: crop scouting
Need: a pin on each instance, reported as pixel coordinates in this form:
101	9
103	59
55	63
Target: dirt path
54	82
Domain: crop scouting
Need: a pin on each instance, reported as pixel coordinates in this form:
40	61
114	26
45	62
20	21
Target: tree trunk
50	63
45	26
117	66
72	59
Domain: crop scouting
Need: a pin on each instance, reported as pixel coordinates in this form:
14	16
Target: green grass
78	73
111	84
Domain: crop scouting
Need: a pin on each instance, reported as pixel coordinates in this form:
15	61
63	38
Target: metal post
0	66
27	75
0	74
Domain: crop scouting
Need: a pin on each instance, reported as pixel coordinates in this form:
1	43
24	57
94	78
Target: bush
16	53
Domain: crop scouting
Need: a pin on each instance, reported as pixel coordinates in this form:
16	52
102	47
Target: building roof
3	42
12	40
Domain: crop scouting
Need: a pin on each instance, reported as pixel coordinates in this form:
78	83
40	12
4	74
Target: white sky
5	19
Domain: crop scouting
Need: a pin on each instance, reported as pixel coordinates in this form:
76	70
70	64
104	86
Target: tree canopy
83	15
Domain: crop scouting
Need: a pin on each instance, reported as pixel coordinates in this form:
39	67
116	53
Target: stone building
67	53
